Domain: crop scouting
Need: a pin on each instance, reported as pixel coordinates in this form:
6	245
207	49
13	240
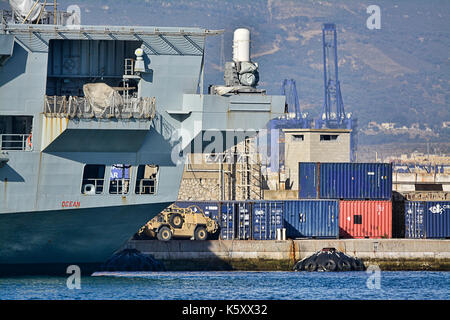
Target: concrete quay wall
394	254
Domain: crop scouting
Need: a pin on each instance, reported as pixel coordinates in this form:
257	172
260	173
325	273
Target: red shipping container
365	219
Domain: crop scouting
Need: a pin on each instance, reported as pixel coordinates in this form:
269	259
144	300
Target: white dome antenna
140	64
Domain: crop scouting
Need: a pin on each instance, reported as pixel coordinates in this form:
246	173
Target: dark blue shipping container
267	217
311	218
437	220
352	181
414	219
235	220
308	175
427	219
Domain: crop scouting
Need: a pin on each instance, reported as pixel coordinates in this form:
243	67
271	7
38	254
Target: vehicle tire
354	265
310	266
150	234
359	265
344	265
329	265
215	235
299	266
164	234
176	221
200	233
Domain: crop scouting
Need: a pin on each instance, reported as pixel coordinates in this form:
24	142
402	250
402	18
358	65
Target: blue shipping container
352	181
427	219
267	217
311	218
414	219
235	220
308	177
437	220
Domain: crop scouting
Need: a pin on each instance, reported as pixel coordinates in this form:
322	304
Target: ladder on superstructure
249	170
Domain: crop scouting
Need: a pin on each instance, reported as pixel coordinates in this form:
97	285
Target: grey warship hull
47	242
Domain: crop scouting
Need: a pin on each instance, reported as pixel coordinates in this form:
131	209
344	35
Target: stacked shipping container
414	219
427	219
356	181
364	191
260	220
267	218
345	200
311	218
235	220
365	219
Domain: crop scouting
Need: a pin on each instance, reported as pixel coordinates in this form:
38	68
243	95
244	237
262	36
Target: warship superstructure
92	121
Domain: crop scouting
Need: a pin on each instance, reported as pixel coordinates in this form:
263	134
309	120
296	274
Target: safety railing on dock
81	108
15	142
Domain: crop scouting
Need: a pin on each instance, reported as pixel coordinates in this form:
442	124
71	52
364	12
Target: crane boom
333	107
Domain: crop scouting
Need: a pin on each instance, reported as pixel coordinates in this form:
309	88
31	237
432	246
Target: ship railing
81	108
47	17
119	186
15	142
146	186
92	186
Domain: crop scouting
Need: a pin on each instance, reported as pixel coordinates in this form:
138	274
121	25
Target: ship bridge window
15	133
146	179
93	179
328	137
119	181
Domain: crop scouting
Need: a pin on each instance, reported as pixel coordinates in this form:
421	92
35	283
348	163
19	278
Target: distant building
388	125
314	145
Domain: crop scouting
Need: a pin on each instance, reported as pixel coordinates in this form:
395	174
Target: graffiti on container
418	217
439	208
259	212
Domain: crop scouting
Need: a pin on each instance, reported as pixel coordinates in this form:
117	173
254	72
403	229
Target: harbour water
233	286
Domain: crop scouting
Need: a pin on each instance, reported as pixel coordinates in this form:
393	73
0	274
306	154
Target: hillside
399	74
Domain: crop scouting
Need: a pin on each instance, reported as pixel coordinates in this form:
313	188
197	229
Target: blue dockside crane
333	106
333	116
289	90
293	118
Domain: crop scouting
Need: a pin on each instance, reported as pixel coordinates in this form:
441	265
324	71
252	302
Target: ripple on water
234	286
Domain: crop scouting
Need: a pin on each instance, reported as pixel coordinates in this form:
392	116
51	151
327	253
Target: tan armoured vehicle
175	222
